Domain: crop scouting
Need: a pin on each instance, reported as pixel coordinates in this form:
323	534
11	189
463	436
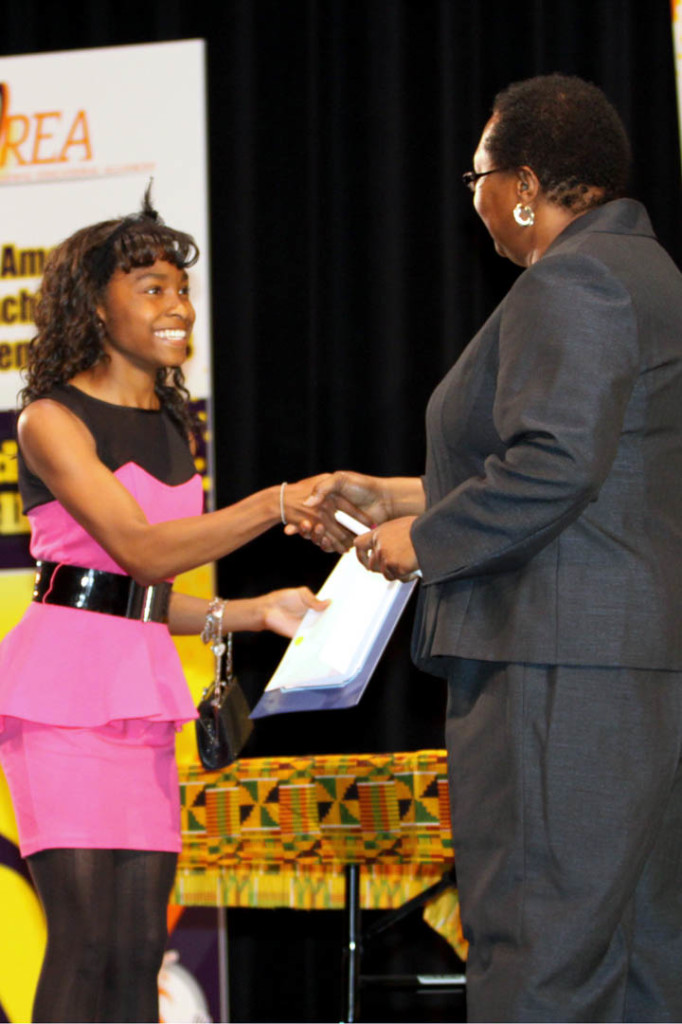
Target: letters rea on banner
42	137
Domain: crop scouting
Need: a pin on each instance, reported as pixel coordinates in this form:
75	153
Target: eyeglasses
471	177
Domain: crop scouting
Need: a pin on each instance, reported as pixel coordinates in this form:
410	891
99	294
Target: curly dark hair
566	130
69	338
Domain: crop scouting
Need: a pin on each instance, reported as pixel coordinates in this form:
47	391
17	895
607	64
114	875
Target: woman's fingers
311	600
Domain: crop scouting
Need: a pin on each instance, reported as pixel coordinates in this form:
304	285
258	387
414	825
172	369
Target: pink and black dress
90	701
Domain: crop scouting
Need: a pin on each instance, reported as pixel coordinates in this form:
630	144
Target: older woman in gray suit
548	530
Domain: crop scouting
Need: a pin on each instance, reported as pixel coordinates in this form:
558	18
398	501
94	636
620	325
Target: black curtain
349	270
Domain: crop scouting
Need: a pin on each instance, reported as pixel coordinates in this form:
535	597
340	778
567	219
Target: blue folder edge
332	698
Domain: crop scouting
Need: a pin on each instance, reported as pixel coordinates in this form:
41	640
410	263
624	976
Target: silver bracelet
213	632
282	512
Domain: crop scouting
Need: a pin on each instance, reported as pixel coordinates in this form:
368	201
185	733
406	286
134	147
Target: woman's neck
553	219
129	388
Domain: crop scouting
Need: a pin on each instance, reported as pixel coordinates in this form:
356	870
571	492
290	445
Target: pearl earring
524	215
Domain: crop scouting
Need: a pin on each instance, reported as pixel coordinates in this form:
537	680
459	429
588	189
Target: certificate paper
330	660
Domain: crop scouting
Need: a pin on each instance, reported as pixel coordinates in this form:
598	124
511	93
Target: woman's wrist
403	496
245	615
255	614
273	499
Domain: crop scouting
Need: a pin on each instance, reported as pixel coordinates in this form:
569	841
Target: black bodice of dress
150	438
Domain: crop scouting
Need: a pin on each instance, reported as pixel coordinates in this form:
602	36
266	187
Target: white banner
81	133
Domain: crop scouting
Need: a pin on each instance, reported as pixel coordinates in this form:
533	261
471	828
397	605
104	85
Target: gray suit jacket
553	530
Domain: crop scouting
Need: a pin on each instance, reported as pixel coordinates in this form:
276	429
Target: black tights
106	933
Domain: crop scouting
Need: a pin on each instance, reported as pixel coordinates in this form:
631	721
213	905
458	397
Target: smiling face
147	316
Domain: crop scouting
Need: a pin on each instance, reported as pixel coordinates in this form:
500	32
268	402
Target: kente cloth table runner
278	832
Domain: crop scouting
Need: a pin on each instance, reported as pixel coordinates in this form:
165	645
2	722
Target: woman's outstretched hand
283	609
361	496
355	493
311	514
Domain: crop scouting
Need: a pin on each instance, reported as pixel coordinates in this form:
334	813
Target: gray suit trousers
566	795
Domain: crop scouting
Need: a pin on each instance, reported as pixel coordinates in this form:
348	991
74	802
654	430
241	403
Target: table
300	831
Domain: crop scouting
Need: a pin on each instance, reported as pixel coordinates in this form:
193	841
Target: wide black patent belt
97	591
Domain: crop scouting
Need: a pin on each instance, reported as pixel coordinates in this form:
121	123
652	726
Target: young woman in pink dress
91	687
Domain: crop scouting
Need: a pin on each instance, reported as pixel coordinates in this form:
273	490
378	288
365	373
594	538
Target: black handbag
223	725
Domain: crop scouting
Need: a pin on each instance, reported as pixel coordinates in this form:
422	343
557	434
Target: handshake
387	506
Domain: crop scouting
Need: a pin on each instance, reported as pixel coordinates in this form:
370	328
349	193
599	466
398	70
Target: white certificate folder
330	660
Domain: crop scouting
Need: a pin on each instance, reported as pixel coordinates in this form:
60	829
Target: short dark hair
566	130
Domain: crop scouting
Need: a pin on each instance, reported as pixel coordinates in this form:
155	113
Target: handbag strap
220	644
229	673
